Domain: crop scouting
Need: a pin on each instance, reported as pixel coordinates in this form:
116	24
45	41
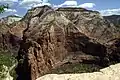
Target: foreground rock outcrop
109	73
49	38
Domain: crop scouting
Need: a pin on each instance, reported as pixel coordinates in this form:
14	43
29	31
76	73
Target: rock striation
48	39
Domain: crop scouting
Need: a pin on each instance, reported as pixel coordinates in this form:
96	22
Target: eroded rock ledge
109	73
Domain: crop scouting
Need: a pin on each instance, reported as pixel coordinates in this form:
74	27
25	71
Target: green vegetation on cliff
7	60
2	8
76	68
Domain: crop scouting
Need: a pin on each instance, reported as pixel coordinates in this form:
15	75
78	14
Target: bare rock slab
109	73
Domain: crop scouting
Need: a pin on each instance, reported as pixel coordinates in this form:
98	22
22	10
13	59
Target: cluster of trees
2	8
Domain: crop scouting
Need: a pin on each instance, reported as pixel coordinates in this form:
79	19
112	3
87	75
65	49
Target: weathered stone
9	41
50	36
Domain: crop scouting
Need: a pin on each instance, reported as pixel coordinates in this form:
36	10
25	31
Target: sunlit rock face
5	73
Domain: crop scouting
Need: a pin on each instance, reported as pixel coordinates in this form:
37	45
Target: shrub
7	60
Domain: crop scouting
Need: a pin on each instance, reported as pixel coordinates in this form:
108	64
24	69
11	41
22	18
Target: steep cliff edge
50	37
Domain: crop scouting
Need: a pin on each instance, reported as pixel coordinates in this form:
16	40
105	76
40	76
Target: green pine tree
2	7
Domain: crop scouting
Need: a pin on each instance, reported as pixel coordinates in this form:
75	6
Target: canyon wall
48	38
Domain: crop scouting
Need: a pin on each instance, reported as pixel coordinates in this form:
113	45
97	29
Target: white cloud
33	3
8	1
110	12
67	4
45	1
75	4
36	5
10	10
29	3
87	5
16	15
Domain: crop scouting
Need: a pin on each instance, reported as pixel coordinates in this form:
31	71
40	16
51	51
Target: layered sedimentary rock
50	37
91	23
6	37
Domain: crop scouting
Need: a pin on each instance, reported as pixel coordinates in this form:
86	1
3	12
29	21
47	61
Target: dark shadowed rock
115	19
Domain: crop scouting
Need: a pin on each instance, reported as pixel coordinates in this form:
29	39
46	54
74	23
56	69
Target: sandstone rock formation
109	73
5	74
50	37
10	19
6	37
91	23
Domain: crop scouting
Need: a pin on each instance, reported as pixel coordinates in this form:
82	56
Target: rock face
90	23
109	73
5	74
6	37
50	37
115	19
10	19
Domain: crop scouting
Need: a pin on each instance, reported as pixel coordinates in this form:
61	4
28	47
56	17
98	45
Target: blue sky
100	4
20	7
